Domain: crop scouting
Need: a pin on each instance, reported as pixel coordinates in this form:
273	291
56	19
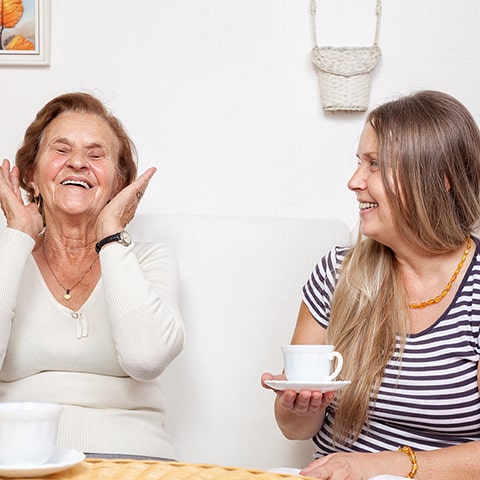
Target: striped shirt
433	400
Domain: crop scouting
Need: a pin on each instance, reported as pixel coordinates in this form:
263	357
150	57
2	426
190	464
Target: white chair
241	281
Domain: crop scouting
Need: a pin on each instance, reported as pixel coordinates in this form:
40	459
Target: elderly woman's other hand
119	212
19	216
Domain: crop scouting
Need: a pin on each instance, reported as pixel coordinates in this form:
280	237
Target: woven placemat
102	469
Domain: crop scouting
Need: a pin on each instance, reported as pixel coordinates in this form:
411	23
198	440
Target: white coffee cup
28	432
311	363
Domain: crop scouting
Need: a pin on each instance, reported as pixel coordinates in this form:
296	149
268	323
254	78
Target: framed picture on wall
25	32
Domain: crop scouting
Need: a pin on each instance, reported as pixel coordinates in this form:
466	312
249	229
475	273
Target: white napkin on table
287	470
296	471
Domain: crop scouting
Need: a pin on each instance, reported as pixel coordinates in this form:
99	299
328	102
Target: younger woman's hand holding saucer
302	403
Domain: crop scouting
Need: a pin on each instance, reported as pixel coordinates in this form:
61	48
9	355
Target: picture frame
26	40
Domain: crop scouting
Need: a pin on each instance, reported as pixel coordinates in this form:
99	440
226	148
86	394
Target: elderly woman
88	318
402	306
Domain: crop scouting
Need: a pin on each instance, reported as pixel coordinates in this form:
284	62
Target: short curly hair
79	102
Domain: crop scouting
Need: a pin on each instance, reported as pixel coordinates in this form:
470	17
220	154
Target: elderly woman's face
76	166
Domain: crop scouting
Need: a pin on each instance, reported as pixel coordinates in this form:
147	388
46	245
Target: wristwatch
123	238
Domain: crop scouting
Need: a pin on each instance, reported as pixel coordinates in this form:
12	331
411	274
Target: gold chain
67	296
442	295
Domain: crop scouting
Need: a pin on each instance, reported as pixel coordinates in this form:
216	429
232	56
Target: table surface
103	469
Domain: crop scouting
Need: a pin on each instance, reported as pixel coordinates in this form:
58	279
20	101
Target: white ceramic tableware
62	459
311	363
332	386
28	432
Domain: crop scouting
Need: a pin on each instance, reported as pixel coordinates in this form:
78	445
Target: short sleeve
319	288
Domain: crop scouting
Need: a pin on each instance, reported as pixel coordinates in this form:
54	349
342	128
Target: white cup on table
311	363
28	432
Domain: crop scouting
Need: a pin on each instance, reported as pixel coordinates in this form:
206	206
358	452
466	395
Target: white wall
222	97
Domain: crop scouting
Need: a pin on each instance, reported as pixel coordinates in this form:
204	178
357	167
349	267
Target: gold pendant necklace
67	296
442	295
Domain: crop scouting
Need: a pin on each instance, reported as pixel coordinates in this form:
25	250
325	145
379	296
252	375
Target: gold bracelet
413	459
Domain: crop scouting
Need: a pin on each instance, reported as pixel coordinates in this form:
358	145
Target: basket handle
313	12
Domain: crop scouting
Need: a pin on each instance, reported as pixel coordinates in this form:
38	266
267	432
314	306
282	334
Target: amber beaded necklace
442	295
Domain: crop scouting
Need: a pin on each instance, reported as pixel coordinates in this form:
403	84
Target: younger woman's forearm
298	427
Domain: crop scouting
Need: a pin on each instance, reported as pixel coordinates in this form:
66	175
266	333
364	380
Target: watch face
125	238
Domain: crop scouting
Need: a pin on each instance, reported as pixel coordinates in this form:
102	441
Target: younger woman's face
376	218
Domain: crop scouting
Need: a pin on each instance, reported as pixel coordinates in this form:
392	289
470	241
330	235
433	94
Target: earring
38	201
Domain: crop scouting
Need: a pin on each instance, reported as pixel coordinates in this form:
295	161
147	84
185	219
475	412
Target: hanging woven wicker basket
345	73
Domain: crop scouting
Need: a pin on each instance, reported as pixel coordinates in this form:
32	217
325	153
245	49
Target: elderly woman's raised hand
26	218
118	213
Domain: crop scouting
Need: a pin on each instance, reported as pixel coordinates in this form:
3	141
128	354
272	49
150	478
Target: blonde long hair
426	141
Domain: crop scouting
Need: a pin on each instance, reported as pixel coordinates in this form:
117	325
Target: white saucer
317	386
287	470
62	459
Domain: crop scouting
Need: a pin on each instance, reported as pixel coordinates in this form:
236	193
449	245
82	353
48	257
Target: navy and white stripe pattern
429	401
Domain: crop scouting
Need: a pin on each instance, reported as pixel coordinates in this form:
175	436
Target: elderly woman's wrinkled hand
119	212
19	216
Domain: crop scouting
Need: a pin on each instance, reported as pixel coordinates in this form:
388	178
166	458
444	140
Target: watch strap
111	238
